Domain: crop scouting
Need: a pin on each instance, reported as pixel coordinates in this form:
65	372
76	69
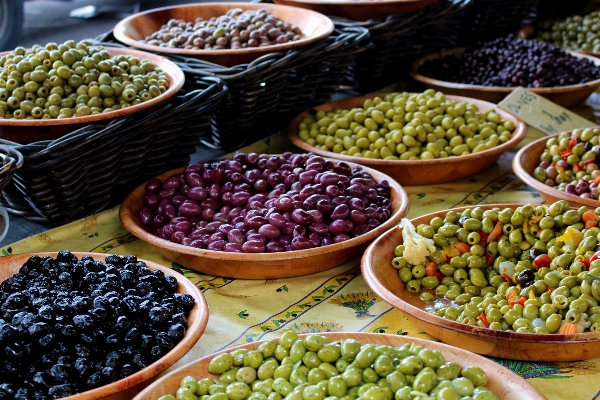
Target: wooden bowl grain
383	279
566	96
360	10
525	162
131	30
126	388
25	131
503	382
261	265
417	172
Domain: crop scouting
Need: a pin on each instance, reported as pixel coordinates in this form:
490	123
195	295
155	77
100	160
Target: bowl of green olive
563	166
416	138
511	281
331	364
53	90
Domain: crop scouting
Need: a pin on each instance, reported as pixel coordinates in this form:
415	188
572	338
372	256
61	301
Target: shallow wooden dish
262	265
126	388
418	172
360	10
525	162
314	27
566	96
503	382
383	279
27	131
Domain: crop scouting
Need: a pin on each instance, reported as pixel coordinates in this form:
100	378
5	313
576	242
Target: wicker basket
489	19
11	161
400	39
544	10
266	93
94	167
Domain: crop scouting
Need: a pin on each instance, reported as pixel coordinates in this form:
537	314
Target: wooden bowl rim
126	212
518	134
364	338
326	25
416	65
526	177
484	333
192	335
176	81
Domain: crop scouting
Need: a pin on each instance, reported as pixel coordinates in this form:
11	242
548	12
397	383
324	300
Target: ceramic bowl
261	265
131	30
32	130
566	96
127	387
417	172
503	382
525	162
383	279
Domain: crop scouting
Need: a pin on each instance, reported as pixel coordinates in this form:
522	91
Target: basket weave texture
490	19
96	166
400	39
11	160
265	94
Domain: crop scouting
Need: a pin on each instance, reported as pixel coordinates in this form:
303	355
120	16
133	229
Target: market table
338	299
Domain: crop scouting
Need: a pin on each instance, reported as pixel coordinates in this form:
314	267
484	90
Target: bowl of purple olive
223	33
89	326
491	70
565	166
260	216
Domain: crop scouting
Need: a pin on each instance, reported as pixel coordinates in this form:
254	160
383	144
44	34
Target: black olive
94	380
177	331
59	372
157	351
185	300
132	335
126	370
83	321
525	277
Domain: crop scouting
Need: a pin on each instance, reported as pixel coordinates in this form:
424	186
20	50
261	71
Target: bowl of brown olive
496	279
53	90
260	216
491	70
416	138
564	166
93	326
223	33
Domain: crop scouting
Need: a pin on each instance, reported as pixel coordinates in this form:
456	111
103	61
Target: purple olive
217	245
153	185
145	215
233	248
253	246
151	199
301	243
340	212
275	247
269	231
190	208
301	217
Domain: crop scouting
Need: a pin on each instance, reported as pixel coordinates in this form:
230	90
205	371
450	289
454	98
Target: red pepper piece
483	238
587	162
521	301
439	275
484	320
572	142
577	167
586	262
508	279
542	261
566	153
489	258
595	257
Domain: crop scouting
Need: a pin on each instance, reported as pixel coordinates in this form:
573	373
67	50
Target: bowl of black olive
90	325
491	70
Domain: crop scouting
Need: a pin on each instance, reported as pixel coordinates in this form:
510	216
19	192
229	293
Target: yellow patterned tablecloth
242	311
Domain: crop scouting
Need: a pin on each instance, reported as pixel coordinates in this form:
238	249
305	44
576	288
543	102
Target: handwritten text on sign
541	113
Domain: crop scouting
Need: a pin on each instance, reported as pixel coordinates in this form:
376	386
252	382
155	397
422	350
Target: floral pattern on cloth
243	311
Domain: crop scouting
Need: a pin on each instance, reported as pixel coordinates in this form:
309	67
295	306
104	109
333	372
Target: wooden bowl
360	10
314	27
261	265
418	172
525	162
503	382
126	388
26	131
566	96
383	279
